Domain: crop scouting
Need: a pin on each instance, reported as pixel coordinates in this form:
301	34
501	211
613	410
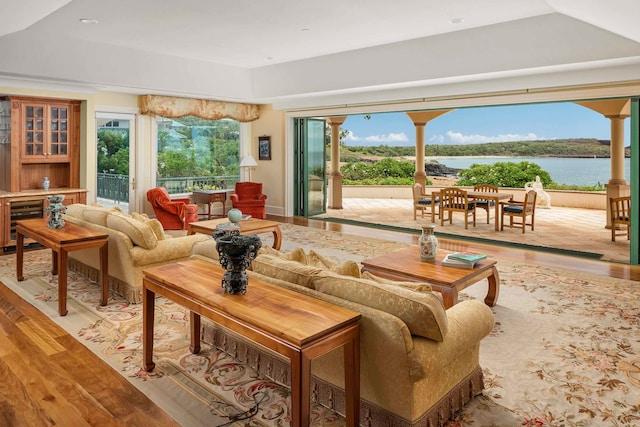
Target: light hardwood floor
49	378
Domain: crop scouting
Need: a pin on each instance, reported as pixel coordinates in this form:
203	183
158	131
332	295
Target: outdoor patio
570	229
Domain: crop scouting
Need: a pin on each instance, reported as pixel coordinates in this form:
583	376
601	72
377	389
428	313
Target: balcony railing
185	184
116	187
113	187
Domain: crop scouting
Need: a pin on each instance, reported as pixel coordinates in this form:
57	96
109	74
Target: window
197	154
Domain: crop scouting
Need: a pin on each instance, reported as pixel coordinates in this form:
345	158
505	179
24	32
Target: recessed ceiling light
456	20
88	21
305	29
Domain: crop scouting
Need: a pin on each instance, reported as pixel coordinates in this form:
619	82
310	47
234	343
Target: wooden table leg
104	268
449	296
277	238
496	217
297	418
148	309
62	281
19	256
352	378
194	321
494	288
54	262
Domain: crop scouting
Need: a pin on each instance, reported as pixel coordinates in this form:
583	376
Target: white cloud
389	138
459	138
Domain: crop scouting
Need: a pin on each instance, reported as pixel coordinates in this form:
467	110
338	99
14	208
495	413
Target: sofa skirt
277	369
133	295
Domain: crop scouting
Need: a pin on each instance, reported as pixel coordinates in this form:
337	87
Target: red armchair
173	214
249	199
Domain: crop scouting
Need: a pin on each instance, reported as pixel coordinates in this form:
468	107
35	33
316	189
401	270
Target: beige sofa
419	363
136	242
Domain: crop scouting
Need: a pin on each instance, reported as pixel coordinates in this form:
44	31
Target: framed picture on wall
264	148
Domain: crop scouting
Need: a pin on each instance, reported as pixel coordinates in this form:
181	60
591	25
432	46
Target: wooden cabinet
41	139
27	205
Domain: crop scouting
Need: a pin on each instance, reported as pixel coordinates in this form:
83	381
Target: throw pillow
347	268
284	269
423	313
76	210
139	232
155	225
96	215
296	254
413	286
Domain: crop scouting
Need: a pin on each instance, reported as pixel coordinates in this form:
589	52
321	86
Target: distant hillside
546	148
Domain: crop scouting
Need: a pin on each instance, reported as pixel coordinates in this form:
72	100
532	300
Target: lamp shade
248	161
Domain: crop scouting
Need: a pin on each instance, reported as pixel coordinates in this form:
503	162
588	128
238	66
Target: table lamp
248	162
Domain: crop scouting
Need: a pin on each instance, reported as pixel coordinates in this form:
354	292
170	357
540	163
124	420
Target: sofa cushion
423	313
283	269
139	232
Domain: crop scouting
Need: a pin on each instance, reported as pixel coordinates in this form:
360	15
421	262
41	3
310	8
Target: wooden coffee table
247	226
297	326
71	237
405	265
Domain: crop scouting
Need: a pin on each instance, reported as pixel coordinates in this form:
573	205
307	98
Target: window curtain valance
173	107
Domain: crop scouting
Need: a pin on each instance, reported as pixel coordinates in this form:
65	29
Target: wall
270	172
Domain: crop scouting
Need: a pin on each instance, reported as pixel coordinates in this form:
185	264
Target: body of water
562	170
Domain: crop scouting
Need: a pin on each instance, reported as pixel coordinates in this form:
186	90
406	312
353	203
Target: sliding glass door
310	196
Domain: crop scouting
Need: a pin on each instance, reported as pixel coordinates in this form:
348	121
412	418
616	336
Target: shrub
503	174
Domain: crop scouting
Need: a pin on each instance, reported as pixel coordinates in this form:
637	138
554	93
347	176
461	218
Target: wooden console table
71	237
405	265
294	325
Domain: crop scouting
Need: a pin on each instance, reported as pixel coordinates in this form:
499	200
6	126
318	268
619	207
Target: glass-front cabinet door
45	131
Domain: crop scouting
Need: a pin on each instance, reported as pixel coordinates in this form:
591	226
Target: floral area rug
565	350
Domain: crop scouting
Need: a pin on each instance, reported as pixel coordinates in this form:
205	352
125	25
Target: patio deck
569	229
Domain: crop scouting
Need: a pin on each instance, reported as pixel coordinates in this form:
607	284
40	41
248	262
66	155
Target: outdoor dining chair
423	202
519	211
620	216
487	205
453	199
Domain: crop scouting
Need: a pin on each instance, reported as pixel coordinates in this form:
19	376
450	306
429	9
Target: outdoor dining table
483	195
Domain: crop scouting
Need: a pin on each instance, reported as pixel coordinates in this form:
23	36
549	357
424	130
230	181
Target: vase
428	243
55	210
45	183
236	252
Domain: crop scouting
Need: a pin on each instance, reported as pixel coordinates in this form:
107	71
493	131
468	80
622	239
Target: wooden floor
49	378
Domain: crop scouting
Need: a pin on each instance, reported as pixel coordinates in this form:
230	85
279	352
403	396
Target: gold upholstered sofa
136	242
419	362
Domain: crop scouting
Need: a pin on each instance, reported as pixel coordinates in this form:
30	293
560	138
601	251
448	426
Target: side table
208	197
71	237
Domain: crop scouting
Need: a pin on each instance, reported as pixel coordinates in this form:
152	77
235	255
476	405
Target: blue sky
484	124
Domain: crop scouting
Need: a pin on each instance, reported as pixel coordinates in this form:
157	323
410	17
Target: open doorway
115	173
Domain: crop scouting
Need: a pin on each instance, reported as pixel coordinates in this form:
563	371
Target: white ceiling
299	53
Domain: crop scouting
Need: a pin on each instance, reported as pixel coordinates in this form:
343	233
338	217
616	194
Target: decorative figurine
56	209
236	253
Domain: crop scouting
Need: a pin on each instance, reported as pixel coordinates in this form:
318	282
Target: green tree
503	174
113	152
